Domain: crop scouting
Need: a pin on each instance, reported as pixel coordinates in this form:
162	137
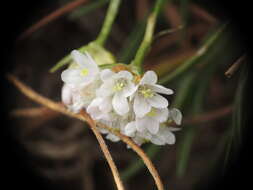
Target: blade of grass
132	43
102	37
195	107
84	10
148	37
239	119
200	56
108	22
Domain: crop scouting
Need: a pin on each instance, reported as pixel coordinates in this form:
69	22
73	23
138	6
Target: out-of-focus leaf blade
84	10
132	43
200	56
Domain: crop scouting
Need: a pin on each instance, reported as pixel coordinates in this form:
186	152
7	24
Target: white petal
167	135
144	134
66	94
103	131
93	109
162	115
112	137
85	61
158	141
106	74
79	58
106	89
138	140
176	115
72	76
129	89
141	106
146	123
106	105
170	138
140	124
158	101
91	60
120	104
161	89
124	74
149	77
130	129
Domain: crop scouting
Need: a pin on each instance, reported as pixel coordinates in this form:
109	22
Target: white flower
151	121
146	96
118	86
83	73
71	98
99	109
138	137
76	97
164	136
176	115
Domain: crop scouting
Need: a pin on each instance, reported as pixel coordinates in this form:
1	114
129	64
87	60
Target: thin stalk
109	20
83	116
148	37
60	108
102	37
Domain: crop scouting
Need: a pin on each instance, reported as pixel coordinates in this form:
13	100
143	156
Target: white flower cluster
121	100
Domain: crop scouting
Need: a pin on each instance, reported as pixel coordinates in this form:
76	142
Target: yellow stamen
119	86
147	93
84	72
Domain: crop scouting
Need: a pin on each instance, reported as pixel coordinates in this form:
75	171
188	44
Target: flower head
117	98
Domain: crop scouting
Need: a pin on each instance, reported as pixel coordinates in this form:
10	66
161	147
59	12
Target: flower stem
148	37
83	116
109	19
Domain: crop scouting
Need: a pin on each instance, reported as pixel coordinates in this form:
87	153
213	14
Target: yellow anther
118	86
147	93
84	72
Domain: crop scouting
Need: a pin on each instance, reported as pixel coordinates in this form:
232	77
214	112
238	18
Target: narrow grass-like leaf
201	54
132	43
239	116
84	10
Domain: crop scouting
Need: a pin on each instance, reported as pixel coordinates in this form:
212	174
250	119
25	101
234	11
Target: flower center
146	92
84	72
152	113
119	85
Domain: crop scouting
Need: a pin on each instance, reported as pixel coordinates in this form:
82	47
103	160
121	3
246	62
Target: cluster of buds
121	99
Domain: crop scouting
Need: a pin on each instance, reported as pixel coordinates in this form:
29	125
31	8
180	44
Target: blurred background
61	153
